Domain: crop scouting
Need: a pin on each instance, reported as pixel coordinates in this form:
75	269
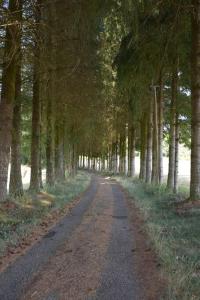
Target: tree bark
73	160
133	168
16	187
160	128
149	143
155	159
11	56
122	151
35	140
131	171
36	111
41	142
50	135
176	154
195	77
172	137
59	154
89	162
50	178
143	147
114	157
103	164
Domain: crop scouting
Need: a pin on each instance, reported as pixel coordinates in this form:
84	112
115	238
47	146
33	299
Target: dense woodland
91	83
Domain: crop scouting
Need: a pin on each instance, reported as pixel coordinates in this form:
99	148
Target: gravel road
89	254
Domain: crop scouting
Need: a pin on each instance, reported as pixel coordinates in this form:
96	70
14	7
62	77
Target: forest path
90	254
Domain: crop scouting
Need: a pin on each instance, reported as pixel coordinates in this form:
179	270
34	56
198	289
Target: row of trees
149	88
89	81
49	77
154	84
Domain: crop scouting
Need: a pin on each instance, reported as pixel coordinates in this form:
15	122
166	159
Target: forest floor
98	250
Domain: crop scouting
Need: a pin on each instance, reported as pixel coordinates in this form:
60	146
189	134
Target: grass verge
19	216
175	237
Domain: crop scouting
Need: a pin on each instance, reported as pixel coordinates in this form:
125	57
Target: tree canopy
90	83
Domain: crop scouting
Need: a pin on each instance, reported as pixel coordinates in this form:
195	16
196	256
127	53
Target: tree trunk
16	187
11	56
50	134
133	167
41	145
172	138
103	164
195	76
73	160
160	128
59	154
89	162
143	147
176	154
126	162
122	150
36	111
155	159
93	164
114	157
40	165
50	178
131	171
149	143
35	140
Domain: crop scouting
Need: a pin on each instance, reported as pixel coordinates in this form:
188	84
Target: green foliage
157	32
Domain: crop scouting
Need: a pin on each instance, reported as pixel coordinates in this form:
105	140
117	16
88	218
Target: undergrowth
175	237
18	216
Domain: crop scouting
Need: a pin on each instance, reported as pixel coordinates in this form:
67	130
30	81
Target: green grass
176	238
17	217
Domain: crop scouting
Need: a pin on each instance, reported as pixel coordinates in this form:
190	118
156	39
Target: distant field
184	172
26	174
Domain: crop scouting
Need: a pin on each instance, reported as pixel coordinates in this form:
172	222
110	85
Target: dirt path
90	254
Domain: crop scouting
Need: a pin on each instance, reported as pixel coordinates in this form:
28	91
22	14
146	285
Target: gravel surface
119	280
89	254
16	277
